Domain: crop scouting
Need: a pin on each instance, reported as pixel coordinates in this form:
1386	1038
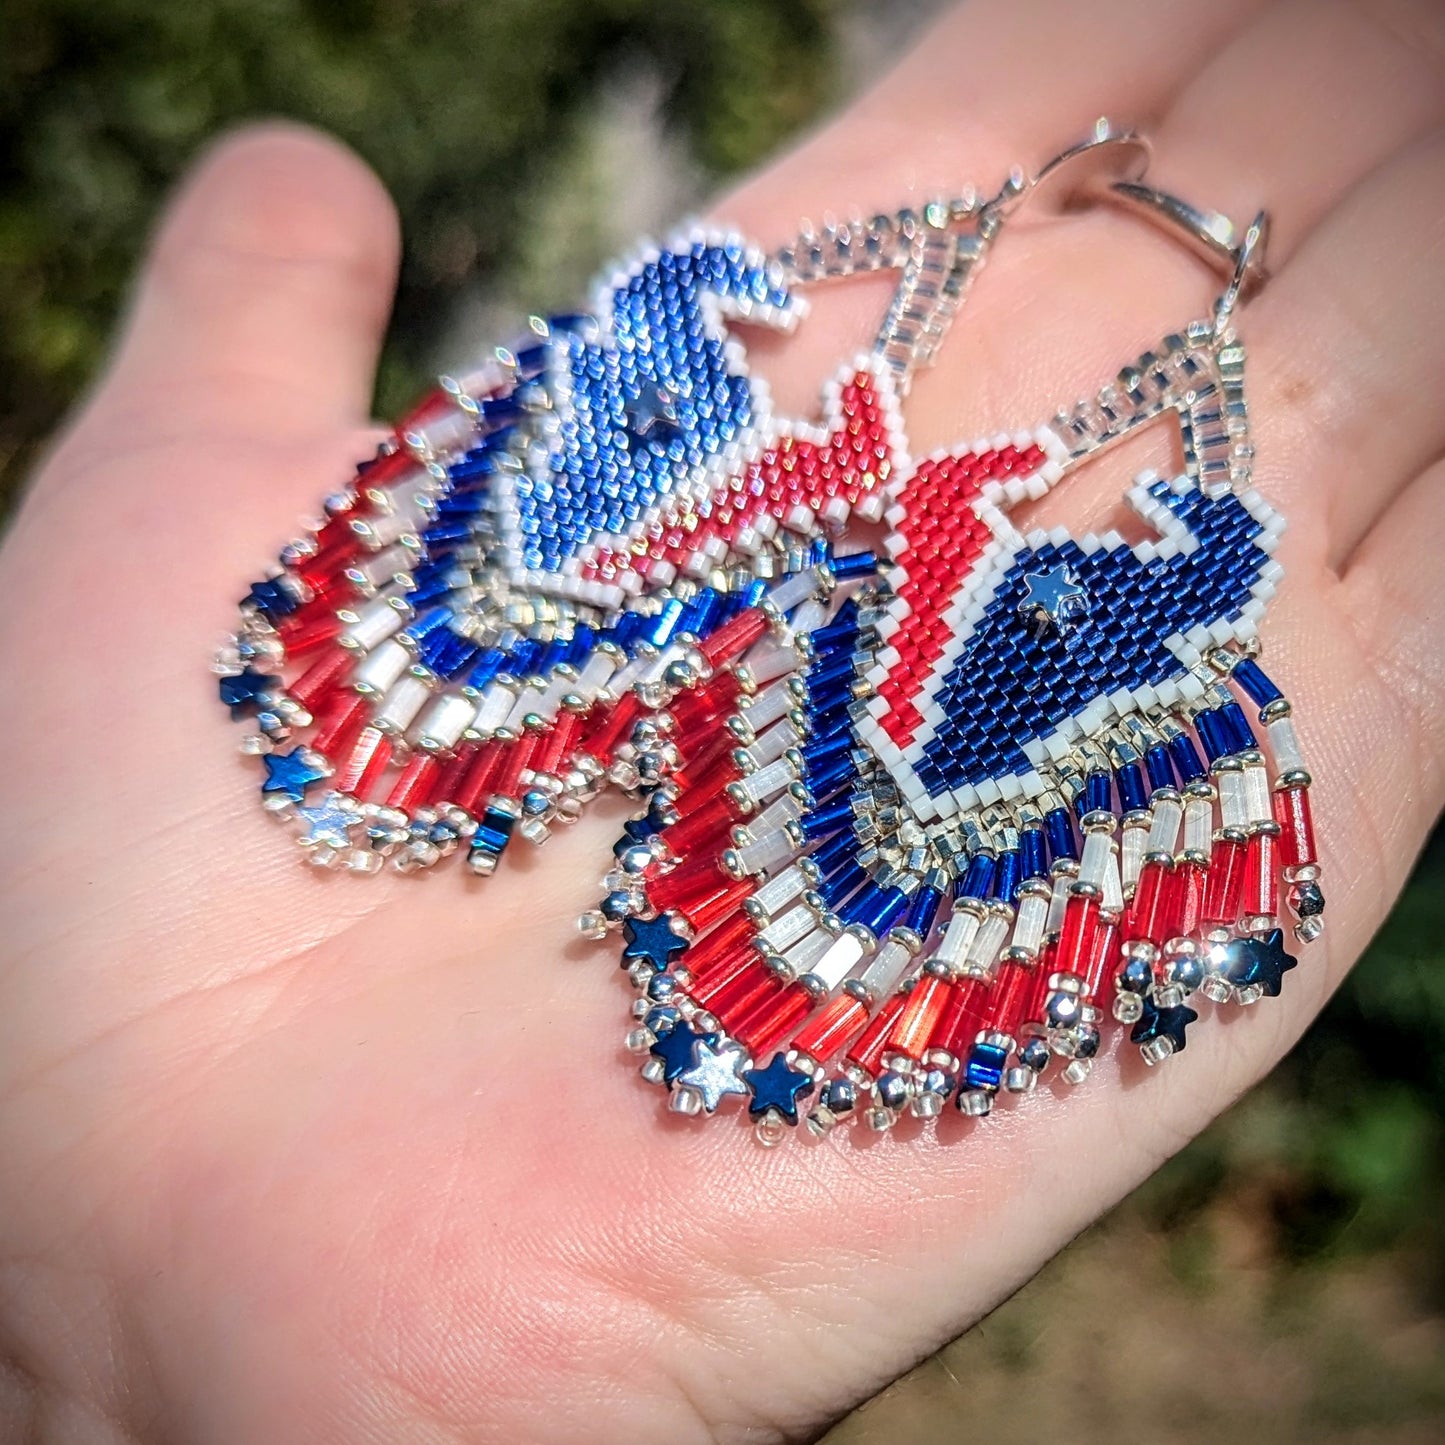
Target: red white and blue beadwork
916	822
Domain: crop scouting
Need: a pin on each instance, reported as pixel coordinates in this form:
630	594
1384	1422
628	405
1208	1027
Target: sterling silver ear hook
1110	166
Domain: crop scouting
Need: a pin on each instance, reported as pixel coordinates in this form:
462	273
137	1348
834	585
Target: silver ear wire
1211	235
1108	155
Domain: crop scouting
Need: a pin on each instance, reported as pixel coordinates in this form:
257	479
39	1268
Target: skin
290	1157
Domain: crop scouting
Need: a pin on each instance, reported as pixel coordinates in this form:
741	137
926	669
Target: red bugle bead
705	704
737	932
314	626
1261	875
1006	998
557	743
1144	919
1293	813
868	1052
700	784
914	1029
832	1029
479	782
364	764
321	677
719	972
454	769
734	637
708	823
743	993
773	1018
1187	898
1076	934
1102	965
1224	886
338	725
412	788
667	889
962	1017
517	762
612	728
707	907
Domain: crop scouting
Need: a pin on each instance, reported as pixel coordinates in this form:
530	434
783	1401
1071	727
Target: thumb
265	296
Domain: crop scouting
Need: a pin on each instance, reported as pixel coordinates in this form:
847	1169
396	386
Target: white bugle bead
886	969
529	701
783	809
381	667
772	744
1257	799
771	658
843	955
1132	847
781	890
986	942
492	709
1164	828
774	701
374	623
442	433
760	786
1111	898
441	726
403	701
1033	913
673	652
379	568
788	593
595	674
765	852
1284	746
803	956
626	676
809	617
952	949
787	928
1233	806
1097	853
1057	900
1198	825
381	530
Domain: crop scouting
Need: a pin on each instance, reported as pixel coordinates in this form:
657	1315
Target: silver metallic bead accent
1157	1050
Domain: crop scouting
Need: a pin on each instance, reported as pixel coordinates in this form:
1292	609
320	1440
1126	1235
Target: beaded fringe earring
915	823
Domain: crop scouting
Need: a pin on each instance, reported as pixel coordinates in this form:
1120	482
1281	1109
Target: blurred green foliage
460	105
456	103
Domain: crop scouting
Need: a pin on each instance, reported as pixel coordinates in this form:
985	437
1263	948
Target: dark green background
1282	1279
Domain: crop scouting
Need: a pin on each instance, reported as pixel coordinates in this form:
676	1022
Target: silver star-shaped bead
1053	599
329	822
716	1073
654	410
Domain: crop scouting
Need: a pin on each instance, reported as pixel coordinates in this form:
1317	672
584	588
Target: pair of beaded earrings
914	823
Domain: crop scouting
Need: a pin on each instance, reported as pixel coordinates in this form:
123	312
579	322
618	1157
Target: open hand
291	1157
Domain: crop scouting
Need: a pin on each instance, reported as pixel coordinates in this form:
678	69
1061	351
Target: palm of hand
290	1157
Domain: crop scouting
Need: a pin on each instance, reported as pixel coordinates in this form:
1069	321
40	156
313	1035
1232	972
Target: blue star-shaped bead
677	1049
328	822
779	1086
290	773
654	411
652	939
1251	962
1053	599
247	690
271	598
1156	1022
